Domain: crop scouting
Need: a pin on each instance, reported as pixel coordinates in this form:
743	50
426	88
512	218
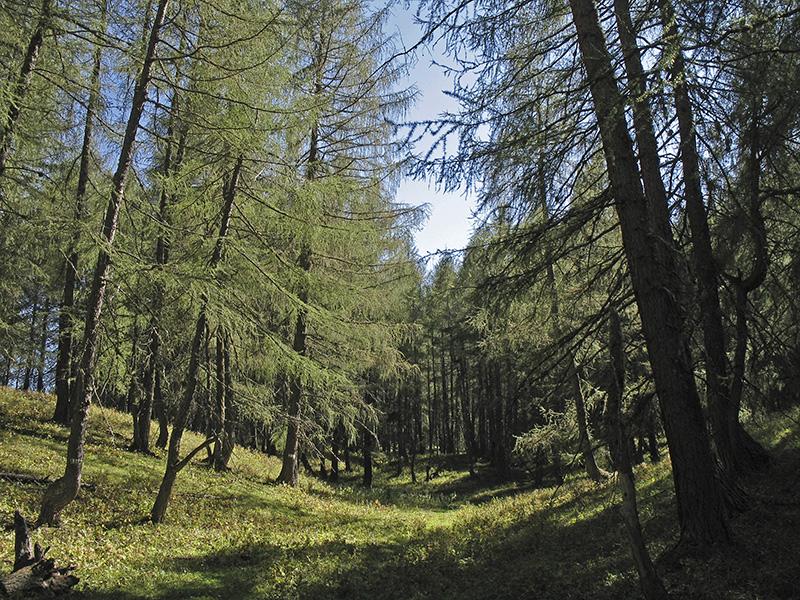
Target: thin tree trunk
66	322
444	441
655	278
750	455
334	475
289	471
22	84
652	587
217	416
174	461
466	415
366	449
230	420
433	406
573	377
141	434
724	421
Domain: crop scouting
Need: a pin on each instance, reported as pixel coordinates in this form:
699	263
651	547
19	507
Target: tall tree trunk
22	85
334	476
171	166
64	489
433	406
217	416
501	450
655	278
66	322
289	471
652	587
7	369
444	441
174	461
230	415
467	416
725	426
652	438
750	454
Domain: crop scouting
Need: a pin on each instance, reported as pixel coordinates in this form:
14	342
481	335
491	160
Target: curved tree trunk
174	461
63	490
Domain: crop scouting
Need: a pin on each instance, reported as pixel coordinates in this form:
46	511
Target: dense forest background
198	228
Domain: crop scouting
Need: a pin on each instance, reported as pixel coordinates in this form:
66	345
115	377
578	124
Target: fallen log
36	480
24	478
34	575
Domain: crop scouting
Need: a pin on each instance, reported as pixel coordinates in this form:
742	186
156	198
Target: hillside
237	535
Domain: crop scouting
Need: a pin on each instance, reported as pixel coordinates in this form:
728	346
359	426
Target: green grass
236	535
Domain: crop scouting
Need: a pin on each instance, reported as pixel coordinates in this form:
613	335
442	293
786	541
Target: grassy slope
235	535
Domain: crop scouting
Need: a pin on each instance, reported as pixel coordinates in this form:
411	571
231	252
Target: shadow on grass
538	557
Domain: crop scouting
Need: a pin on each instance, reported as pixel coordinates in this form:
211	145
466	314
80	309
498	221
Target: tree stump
33	574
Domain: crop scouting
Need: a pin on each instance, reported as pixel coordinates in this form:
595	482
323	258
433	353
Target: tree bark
230	420
655	278
334	475
289	469
64	489
573	377
724	417
161	411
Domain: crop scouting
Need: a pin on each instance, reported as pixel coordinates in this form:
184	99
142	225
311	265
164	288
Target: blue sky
449	225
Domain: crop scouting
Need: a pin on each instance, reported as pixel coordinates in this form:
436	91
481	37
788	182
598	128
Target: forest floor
236	535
